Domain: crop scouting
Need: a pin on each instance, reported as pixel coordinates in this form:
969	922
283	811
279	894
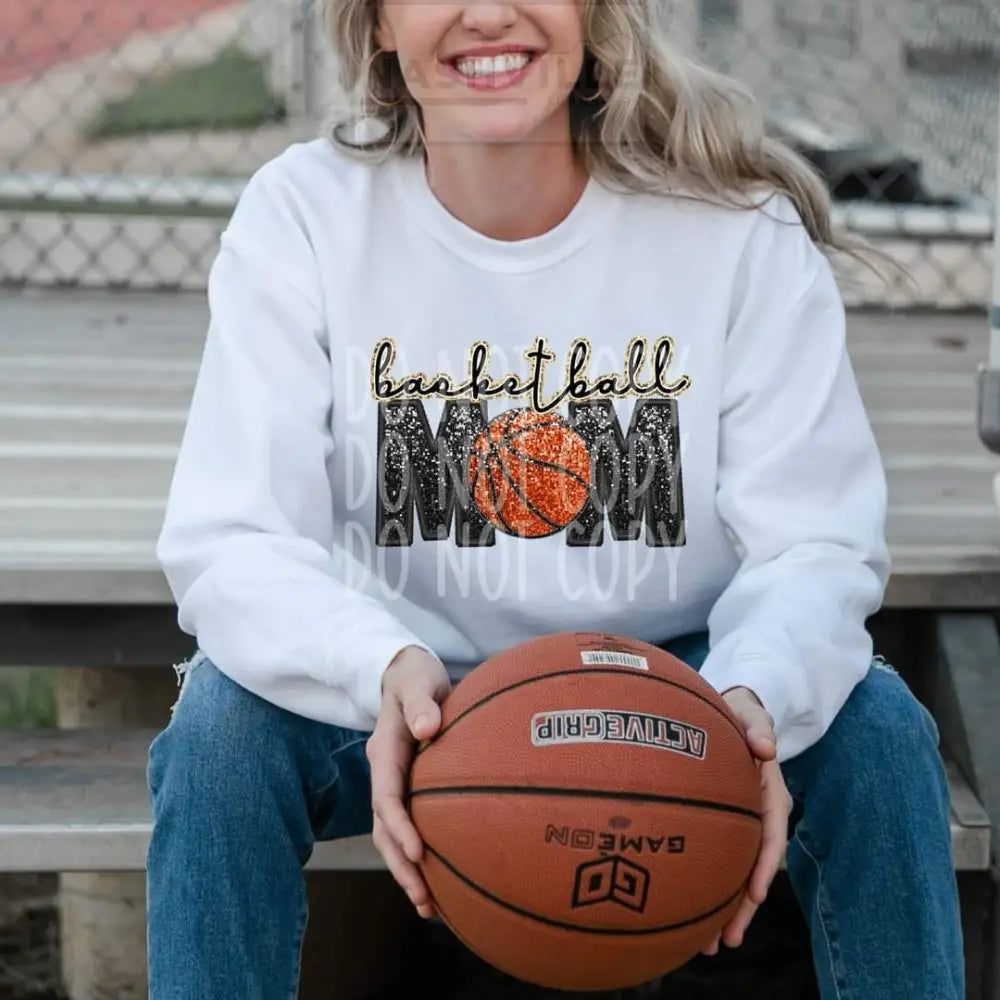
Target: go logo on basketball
614	880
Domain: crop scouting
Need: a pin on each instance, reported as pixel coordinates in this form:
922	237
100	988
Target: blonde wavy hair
642	115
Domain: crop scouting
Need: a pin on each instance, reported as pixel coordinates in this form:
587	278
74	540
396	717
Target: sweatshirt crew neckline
511	256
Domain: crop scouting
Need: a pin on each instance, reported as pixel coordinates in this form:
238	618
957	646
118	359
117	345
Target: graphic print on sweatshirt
547	462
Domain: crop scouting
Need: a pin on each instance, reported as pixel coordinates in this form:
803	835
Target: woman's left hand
758	728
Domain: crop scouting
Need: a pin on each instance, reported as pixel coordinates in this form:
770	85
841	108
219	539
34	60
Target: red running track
36	35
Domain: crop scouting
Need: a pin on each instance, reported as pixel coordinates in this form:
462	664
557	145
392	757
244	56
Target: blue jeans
241	789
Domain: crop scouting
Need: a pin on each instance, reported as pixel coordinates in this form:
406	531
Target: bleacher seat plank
94	391
76	800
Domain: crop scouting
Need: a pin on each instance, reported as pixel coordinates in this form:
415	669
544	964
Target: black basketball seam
525	457
578	670
563	925
558	422
475	480
555	421
527	503
589	793
508	439
504	421
494	498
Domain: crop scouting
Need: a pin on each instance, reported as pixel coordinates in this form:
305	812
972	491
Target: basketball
529	473
590	811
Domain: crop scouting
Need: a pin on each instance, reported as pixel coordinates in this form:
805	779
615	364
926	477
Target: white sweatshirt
684	362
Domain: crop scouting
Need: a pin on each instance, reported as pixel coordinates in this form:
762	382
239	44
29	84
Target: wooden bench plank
124	527
95	390
76	800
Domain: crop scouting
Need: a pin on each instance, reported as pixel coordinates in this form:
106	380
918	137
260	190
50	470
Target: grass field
27	698
229	92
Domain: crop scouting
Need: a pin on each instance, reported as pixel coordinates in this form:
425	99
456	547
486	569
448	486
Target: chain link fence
127	130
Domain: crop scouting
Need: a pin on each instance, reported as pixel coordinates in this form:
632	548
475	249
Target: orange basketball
529	473
590	812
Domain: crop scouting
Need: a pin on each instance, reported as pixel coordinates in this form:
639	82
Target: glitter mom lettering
637	483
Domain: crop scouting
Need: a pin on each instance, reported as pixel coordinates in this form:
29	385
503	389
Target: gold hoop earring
371	95
370	61
588	69
596	96
383	104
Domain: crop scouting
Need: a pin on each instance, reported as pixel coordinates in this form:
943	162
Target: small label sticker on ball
613	658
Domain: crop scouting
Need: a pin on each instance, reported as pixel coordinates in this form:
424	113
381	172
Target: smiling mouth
478	68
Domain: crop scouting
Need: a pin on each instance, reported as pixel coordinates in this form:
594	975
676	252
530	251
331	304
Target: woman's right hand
413	687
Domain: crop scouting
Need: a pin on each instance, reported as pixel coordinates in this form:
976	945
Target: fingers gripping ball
529	473
590	812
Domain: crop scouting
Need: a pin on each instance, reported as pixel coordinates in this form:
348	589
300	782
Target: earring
371	59
383	104
593	97
371	95
588	71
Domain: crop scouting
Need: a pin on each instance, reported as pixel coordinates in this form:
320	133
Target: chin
502	131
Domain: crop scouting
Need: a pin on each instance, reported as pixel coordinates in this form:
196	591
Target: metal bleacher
93	396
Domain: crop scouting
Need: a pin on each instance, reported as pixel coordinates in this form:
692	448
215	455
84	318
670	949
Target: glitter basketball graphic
529	473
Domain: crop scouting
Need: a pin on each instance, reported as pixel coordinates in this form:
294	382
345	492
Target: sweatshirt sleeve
246	542
801	489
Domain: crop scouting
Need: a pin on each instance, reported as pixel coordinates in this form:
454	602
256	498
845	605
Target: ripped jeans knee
183	670
881	663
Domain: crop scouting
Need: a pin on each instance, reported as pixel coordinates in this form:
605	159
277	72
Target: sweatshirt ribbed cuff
378	653
767	679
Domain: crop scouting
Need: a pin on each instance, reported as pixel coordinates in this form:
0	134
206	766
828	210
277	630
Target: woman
565	232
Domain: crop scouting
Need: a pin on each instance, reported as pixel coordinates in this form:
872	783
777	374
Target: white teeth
490	66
